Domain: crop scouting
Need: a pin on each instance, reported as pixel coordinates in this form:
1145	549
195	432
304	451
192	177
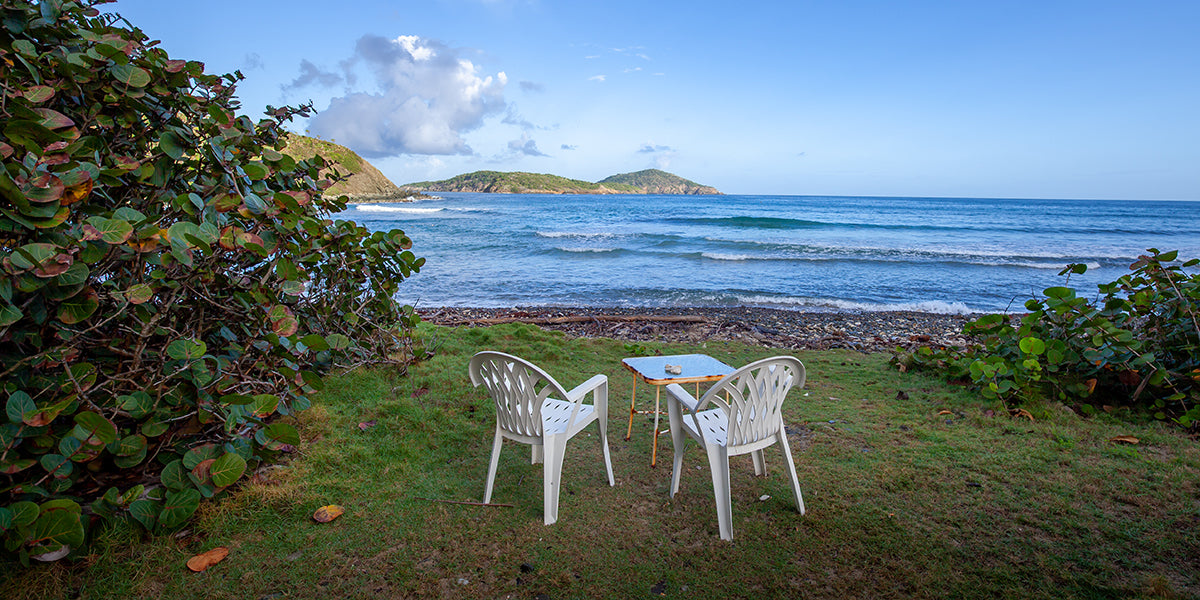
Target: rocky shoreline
776	328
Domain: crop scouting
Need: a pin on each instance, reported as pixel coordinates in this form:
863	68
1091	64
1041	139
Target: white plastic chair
747	418
532	408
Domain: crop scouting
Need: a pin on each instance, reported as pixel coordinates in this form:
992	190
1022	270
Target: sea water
802	252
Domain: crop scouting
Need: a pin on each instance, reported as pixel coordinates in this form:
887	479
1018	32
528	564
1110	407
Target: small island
650	181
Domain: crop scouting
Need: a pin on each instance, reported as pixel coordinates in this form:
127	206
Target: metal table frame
697	368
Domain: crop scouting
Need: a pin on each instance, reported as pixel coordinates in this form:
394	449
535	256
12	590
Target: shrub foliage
1137	345
170	282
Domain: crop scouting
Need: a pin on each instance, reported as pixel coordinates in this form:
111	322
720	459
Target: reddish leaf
328	513
283	320
39	94
44	188
54	267
366	425
52	119
200	562
201	470
78	186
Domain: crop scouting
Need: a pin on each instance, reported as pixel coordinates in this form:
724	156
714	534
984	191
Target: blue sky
1046	99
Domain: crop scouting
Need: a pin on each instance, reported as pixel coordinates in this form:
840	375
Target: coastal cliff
650	181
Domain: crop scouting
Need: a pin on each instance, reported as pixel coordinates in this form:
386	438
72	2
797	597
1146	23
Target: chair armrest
582	389
682	396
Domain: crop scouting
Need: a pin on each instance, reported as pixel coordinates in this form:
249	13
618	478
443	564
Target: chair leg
600	400
760	463
554	447
491	477
791	467
718	462
677	443
535	454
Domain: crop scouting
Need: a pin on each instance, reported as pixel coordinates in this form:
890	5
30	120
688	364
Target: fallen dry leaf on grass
366	425
203	561
1020	412
328	513
1124	439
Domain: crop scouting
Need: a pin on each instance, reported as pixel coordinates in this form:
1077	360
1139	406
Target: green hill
654	181
651	181
365	184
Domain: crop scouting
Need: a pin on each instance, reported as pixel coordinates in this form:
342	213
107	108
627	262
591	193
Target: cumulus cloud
252	61
525	146
427	95
311	74
662	155
651	148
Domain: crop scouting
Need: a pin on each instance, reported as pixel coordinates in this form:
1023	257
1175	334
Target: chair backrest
518	388
752	397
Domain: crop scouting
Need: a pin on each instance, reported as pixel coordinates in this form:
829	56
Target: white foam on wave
383	208
587	250
575	234
732	257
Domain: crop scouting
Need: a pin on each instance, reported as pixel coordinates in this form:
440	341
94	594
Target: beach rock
774	328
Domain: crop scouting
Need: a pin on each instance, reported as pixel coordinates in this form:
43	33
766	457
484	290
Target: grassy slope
649	178
923	497
364	178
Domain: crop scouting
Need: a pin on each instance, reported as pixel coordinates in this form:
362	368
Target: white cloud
428	95
597	78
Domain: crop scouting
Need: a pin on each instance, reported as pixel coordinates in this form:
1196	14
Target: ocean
948	255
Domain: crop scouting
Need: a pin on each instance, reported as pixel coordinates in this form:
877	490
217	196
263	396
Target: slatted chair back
518	389
753	396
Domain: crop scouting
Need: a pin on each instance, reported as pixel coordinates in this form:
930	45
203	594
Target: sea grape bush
1137	345
170	281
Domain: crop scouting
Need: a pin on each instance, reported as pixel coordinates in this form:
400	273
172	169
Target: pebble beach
867	331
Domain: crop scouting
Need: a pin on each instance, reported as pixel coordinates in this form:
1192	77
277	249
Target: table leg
654	454
632	412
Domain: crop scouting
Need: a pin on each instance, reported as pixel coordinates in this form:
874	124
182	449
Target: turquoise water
810	252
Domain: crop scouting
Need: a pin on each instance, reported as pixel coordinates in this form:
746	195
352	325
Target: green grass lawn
915	489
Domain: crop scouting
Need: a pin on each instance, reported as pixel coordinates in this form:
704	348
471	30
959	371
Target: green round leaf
186	349
130	75
1032	345
19	405
281	433
227	469
97	425
178	507
79	307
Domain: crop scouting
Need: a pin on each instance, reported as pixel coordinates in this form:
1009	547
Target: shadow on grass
915	489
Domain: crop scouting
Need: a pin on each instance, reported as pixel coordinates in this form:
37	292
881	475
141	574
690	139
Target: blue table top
696	368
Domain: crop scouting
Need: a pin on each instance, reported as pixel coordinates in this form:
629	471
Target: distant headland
650	181
366	184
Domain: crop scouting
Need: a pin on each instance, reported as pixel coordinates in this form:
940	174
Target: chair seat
556	415
714	424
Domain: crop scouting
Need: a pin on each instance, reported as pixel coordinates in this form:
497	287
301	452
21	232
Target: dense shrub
170	282
1137	345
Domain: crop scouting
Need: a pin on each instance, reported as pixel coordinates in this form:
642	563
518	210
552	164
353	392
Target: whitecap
396	209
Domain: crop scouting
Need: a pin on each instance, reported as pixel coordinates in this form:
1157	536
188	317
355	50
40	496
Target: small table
651	369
